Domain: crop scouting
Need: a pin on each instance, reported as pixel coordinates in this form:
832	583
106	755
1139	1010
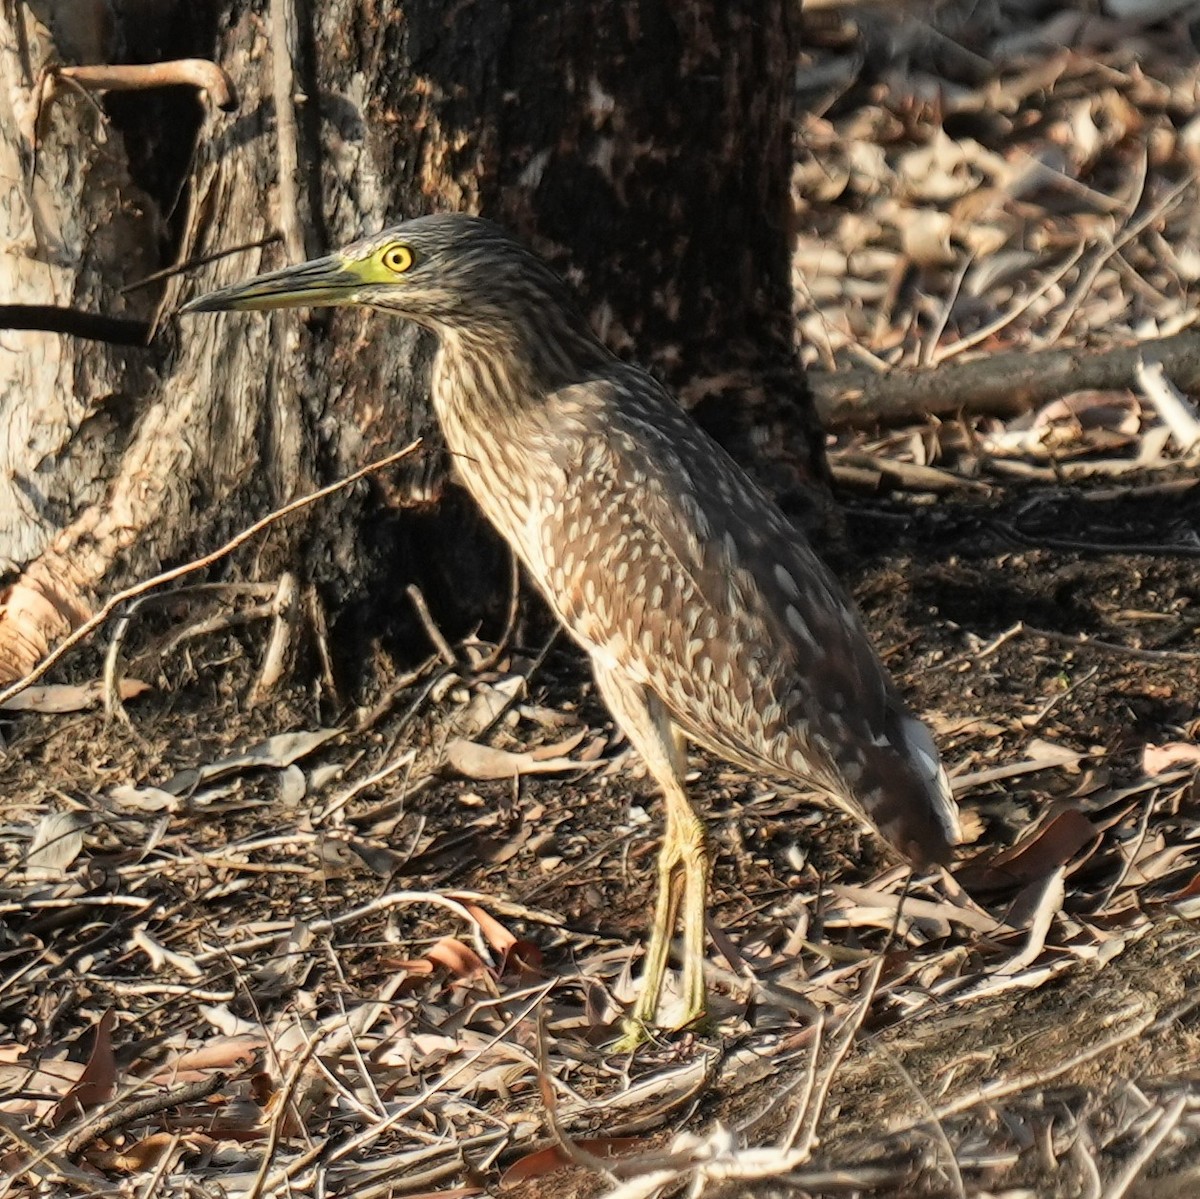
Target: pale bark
61	227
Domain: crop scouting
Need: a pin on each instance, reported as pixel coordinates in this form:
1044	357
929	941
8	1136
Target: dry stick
1132	857
285	612
926	354
39	1155
999	384
510	619
1167	1122
1002	1087
809	1118
283	1111
1007	317
139	1109
1084	283
319	928
574	1152
1083	1154
1082	641
434	634
809	1083
189	264
1174	410
168	576
364	1138
90	326
113	705
923	1102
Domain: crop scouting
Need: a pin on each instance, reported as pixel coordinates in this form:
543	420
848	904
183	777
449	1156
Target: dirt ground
194	912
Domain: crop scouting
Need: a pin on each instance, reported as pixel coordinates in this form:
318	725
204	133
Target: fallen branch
997	385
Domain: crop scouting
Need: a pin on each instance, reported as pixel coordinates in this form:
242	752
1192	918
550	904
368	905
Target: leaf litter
276	954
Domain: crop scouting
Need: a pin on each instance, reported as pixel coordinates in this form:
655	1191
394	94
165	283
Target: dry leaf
554	1157
56	698
98	1082
57	842
1052	845
475	761
1159	759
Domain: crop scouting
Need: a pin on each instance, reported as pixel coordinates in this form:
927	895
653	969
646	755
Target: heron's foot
634	1034
637	1030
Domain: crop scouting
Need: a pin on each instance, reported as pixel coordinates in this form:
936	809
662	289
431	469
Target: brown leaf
513	953
1190	888
98	1082
559	749
496	935
414	966
144	1154
461	960
221	1053
545	1161
1052	845
476	761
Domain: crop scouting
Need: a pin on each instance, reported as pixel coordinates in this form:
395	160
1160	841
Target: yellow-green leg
682	861
682	874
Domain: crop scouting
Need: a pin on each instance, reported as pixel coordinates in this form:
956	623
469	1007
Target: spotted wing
666	561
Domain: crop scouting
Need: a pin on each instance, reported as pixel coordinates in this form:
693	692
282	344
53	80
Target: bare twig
1014	1084
94	622
138	1109
190	264
1006	318
91	326
434	634
809	1117
510	619
1177	413
285	608
1167	1122
1083	641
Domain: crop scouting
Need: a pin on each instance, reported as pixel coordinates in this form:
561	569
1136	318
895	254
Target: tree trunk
643	147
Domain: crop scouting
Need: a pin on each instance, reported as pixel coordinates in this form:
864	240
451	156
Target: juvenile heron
705	613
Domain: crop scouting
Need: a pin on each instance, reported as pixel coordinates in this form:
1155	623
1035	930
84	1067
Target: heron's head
450	272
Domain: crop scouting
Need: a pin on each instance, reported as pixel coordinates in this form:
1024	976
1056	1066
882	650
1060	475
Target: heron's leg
683	859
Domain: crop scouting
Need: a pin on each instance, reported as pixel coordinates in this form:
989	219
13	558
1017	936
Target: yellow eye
397	258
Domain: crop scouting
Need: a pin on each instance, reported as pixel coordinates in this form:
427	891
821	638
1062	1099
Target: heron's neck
496	378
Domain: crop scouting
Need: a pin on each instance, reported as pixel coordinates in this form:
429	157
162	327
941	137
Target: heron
708	618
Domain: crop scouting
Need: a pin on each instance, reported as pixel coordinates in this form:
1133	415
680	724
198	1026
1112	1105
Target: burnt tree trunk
644	147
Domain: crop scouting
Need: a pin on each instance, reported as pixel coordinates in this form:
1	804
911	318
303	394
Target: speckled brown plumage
705	613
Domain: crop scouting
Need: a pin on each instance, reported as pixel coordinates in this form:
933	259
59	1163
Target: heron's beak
320	283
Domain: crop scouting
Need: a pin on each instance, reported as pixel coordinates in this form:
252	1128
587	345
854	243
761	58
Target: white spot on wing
785	580
799	626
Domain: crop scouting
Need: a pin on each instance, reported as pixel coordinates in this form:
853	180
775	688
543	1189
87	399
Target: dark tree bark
643	147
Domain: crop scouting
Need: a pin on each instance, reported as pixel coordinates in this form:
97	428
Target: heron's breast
498	457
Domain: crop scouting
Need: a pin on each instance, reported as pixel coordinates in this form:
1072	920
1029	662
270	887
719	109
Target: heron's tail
898	779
